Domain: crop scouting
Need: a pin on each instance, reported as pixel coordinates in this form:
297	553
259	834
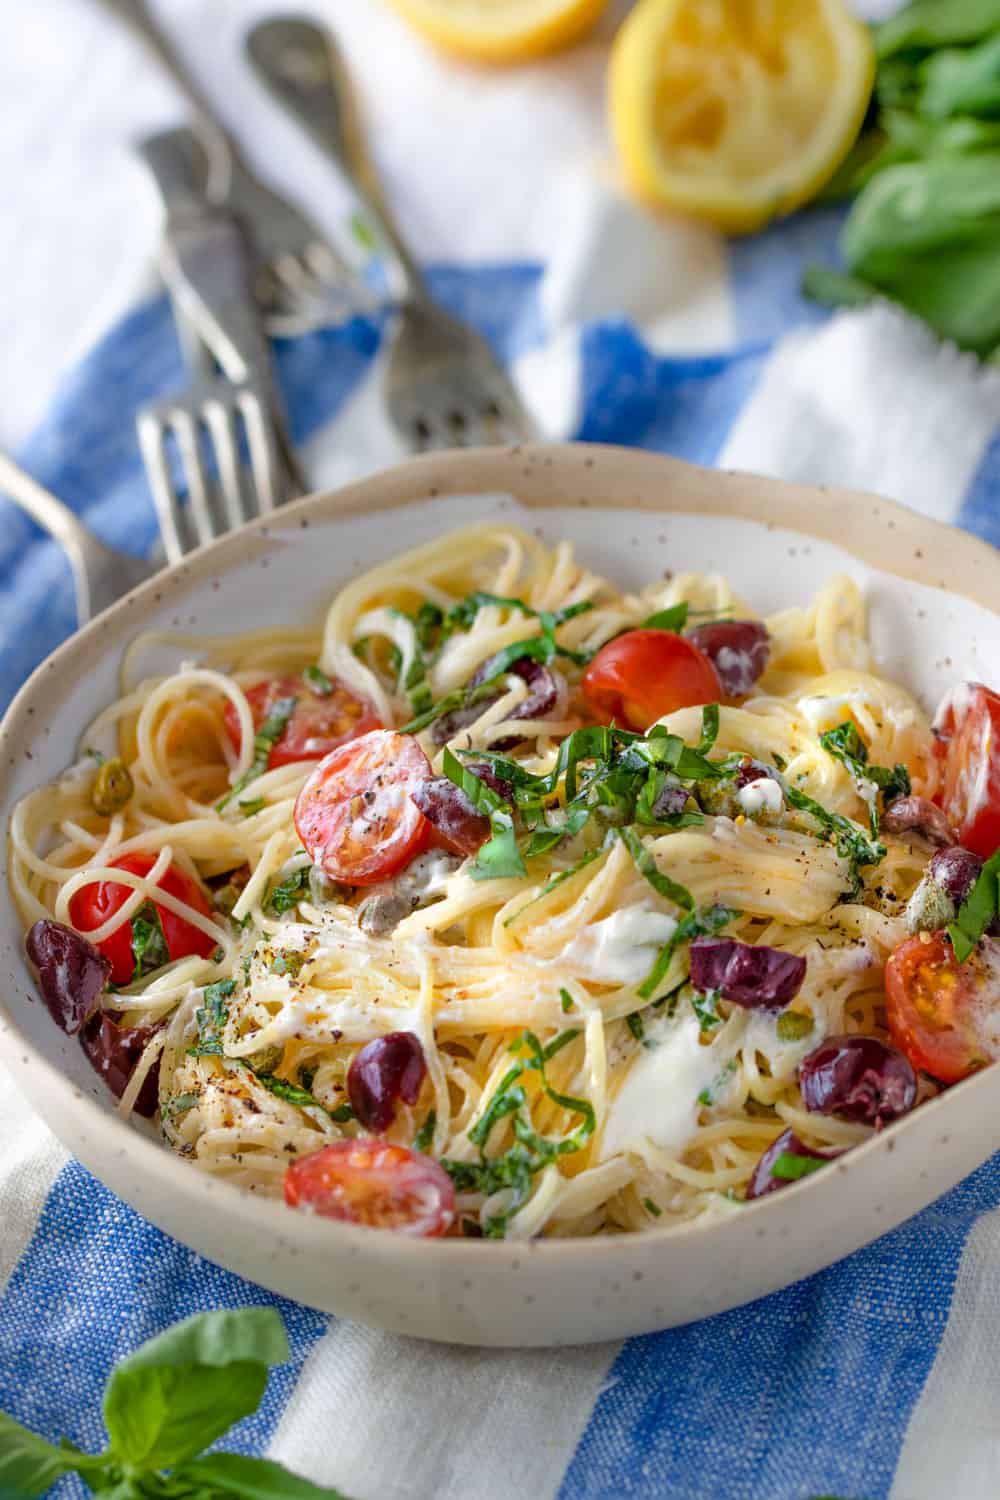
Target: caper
113	788
793	1025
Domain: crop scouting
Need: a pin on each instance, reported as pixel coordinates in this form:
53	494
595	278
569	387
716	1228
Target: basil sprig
977	911
517	1167
164	1406
264	742
846	745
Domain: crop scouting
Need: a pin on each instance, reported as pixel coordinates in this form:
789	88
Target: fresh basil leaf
977	911
636	1025
318	681
648	868
565	1000
211	1018
927	24
425	1135
182	1390
652	1208
852	842
846	745
264	742
705	922
789	1166
149	946
292	1093
544	839
220	1474
673	619
178	1105
286	895
30	1466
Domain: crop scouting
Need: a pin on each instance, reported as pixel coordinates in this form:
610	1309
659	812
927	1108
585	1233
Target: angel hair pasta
509	904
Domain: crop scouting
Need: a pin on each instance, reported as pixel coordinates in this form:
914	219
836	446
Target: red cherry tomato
319	723
374	1183
642	675
94	904
940	1012
356	816
969	744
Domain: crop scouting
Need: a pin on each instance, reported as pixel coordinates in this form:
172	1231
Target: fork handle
217	141
301	65
58	520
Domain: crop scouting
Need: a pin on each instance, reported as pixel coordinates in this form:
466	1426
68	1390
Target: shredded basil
318	681
251	805
210	1019
499	858
264	742
282	1089
977	911
652	1208
706	1008
425	1135
789	1166
287	894
516	1168
636	1025
566	1001
178	1105
149	946
673	618
342	1114
853	844
709	1095
648	868
846	745
704	922
709	728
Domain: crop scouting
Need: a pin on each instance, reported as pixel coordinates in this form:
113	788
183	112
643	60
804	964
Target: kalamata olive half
449	811
738	650
749	974
766	1179
918	815
71	972
858	1078
956	872
114	1051
389	1068
546	689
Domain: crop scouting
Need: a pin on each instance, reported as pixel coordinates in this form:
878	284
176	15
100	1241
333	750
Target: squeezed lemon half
501	31
735	111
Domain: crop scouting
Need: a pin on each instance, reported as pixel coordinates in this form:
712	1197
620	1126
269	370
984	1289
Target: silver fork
100	574
207	268
302	281
444	388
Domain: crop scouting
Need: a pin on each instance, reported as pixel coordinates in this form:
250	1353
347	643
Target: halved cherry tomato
356	816
94	904
374	1183
969	743
942	1013
320	721
642	675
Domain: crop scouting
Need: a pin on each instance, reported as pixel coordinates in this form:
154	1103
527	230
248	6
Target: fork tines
217	446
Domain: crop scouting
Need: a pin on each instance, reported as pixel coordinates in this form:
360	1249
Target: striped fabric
878	1379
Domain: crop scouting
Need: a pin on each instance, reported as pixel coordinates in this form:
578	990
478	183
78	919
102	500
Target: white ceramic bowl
631	514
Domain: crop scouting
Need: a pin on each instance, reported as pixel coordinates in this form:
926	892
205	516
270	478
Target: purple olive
765	1180
955	871
485	773
389	1068
114	1051
749	974
546	688
71	972
449	810
918	815
859	1078
738	650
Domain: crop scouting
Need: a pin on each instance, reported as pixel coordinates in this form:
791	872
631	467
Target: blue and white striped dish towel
878	1379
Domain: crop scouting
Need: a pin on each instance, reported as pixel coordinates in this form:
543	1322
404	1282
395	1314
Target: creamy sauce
823	711
620	949
760	796
659	1098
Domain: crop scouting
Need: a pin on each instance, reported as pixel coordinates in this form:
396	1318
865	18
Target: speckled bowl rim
878	532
